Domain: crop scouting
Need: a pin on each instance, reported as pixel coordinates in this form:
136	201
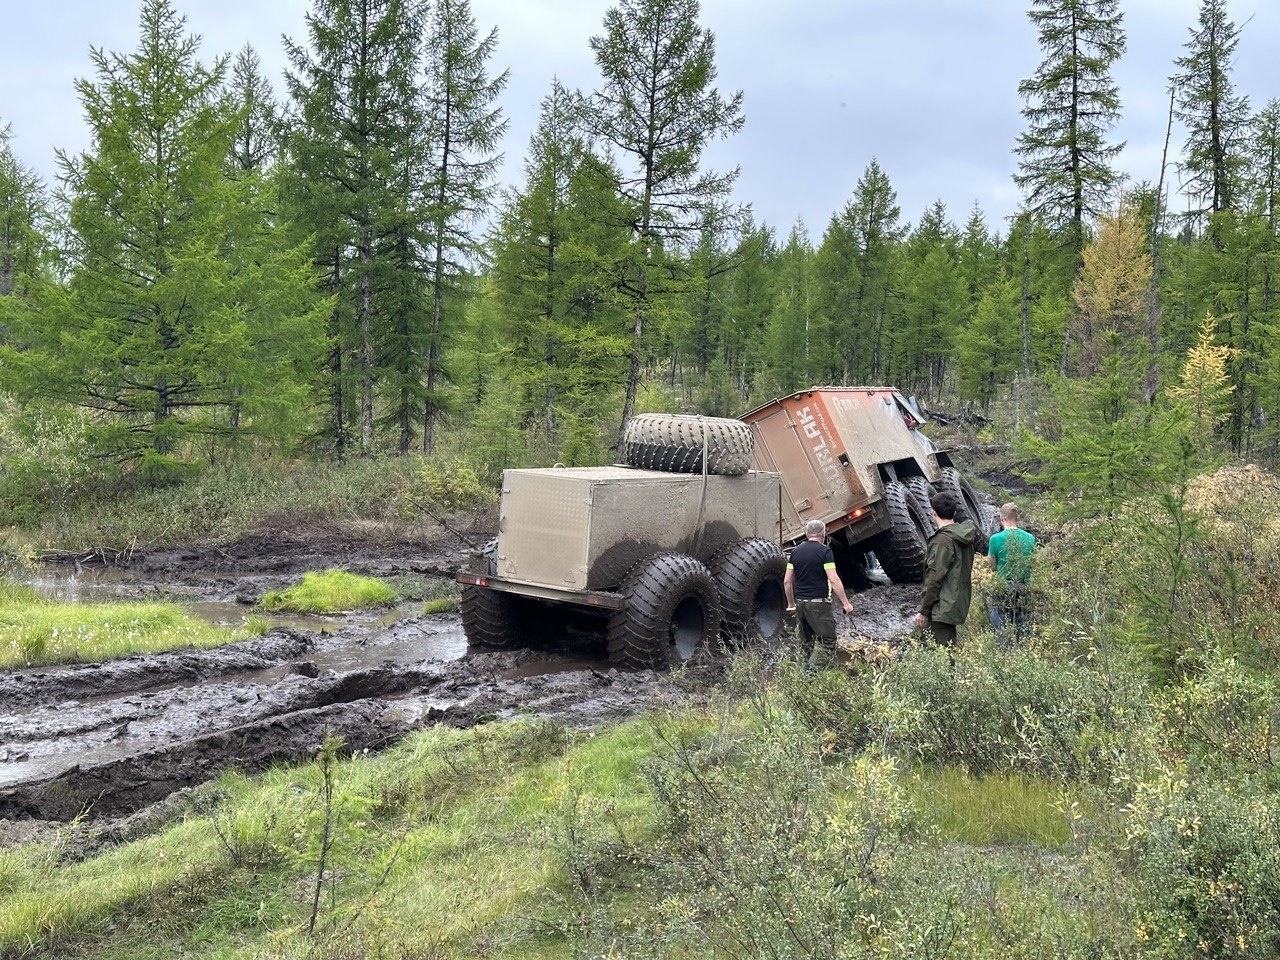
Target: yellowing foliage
1204	383
1111	290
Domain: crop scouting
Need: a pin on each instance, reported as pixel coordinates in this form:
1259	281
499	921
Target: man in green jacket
944	601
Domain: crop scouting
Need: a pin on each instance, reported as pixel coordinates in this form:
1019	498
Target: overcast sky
928	88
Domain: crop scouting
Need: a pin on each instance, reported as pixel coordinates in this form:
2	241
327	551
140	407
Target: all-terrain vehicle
683	543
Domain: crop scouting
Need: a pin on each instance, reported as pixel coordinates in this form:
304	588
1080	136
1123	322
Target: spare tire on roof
675	442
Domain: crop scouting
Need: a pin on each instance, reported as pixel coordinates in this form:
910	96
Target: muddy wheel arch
955	483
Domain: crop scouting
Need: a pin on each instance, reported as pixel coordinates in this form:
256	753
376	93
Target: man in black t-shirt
810	581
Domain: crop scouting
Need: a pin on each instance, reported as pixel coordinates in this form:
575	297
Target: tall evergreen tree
465	128
784	365
658	107
561	340
1065	161
836	282
256	142
355	145
23	222
873	221
986	349
1215	115
183	301
935	303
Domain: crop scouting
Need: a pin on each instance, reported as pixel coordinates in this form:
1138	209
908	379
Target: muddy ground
113	746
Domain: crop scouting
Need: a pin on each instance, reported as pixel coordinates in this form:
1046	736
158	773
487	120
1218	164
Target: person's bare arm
837	588
788	587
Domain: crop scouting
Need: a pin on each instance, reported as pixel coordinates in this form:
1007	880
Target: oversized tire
748	575
954	482
672	612
902	549
492	619
921	490
674	443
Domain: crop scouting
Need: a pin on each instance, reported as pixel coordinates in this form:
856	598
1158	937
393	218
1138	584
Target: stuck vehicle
683	543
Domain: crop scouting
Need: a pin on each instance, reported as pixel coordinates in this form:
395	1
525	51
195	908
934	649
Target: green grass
37	632
220	503
458	837
441	605
331	591
999	808
675	834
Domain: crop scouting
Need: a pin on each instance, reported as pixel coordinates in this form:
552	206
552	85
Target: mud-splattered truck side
683	543
670	559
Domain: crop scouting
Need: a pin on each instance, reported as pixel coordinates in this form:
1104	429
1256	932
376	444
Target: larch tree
658	107
1111	288
183	301
257	142
836	280
355	133
752	275
986	348
935	303
560	348
23	223
784	364
873	218
1071	104
465	127
1215	115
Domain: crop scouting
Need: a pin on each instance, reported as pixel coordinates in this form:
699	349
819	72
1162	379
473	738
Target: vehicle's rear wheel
902	549
748	575
953	481
921	490
492	619
674	443
672	612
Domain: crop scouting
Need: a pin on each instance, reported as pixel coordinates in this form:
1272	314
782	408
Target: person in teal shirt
1010	552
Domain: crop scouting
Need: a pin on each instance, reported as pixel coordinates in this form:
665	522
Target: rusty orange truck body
854	458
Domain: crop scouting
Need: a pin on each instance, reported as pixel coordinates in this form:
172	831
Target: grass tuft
332	591
38	632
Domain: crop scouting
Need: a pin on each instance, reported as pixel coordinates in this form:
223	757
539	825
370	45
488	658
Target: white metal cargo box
584	528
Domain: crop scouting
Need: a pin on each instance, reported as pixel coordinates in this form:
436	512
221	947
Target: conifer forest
332	268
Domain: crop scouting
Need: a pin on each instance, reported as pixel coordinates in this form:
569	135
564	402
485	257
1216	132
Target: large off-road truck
683	543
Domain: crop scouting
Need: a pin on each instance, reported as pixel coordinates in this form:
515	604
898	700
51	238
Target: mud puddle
105	741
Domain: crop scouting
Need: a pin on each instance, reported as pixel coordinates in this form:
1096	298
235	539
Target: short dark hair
944	505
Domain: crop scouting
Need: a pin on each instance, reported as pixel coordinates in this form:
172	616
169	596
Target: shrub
450	486
1208	860
1012	711
765	849
1226	715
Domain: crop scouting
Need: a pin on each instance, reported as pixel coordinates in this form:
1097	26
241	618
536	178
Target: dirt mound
1238	493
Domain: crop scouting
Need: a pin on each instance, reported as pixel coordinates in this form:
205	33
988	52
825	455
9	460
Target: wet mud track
101	742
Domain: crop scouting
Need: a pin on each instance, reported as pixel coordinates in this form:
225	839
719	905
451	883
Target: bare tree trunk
365	308
1153	284
1024	307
